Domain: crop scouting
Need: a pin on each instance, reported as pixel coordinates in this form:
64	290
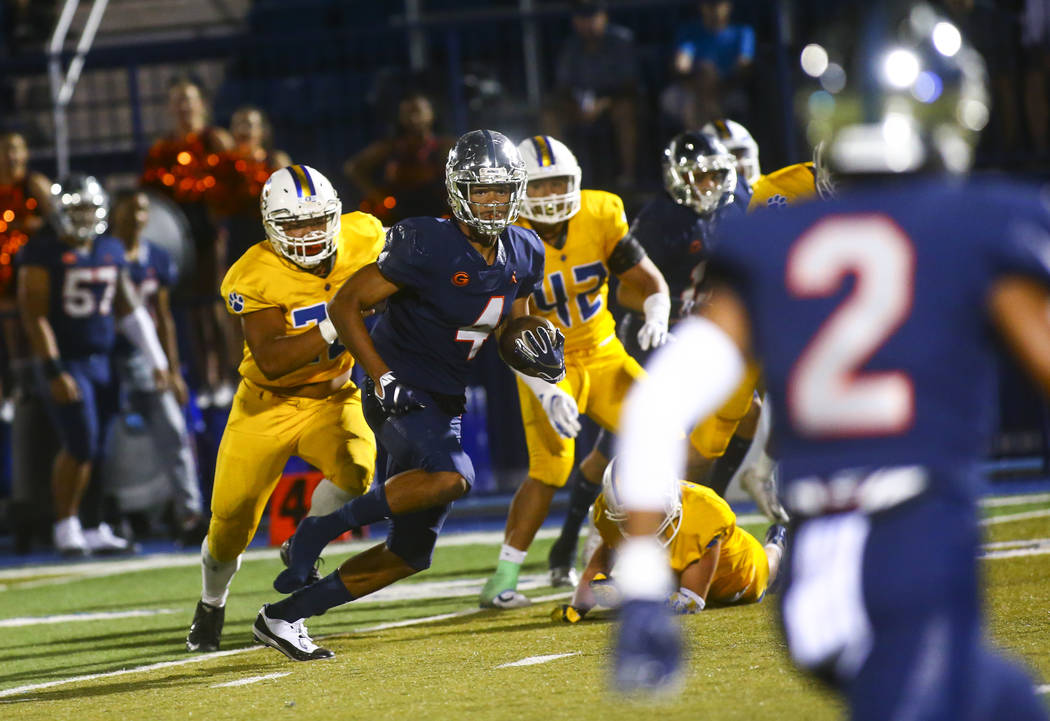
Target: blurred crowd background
197	101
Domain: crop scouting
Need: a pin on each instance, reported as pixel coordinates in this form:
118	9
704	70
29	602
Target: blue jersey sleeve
648	229
40	250
536	257
727	263
1025	249
167	272
404	258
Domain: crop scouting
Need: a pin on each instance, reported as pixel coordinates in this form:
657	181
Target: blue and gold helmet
699	172
896	90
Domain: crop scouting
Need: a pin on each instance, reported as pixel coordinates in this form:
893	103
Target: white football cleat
508	599
291	639
69	538
103	541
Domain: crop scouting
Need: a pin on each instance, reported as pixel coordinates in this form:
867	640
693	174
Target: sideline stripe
68	617
18	691
534	660
251	679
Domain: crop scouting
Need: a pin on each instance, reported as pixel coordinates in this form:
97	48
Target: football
518	341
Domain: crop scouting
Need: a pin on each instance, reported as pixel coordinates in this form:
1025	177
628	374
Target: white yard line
252	679
1027	515
534	660
20	690
1018	500
80	617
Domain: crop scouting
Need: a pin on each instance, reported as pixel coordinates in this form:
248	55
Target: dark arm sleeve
403	259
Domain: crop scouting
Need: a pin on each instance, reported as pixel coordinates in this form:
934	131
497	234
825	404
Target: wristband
53	368
328	331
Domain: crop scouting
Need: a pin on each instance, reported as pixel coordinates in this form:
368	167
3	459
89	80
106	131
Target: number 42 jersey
869	316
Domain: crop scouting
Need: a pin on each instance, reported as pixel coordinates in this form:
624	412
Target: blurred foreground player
448	284
73	292
295	396
871	314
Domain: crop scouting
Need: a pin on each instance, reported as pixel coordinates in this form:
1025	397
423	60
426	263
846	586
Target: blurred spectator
25	198
241	174
404	175
712	64
152	271
1035	38
597	83
991	31
182	165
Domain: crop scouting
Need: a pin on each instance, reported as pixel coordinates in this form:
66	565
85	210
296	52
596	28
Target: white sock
510	553
643	569
216	577
327	498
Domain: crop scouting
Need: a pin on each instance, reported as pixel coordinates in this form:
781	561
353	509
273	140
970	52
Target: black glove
394	398
544	352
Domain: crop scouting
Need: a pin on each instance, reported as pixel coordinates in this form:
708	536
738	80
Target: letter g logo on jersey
460	278
236	301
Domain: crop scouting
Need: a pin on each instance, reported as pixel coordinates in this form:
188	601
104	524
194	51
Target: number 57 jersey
869	316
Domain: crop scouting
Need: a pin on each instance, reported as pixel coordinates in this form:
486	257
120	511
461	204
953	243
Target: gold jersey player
714	561
583	234
295	395
794	184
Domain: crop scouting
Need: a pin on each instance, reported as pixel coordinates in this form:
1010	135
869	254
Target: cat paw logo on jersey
776	201
236	301
461	278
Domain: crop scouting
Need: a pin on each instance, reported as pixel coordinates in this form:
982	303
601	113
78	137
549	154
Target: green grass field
444	658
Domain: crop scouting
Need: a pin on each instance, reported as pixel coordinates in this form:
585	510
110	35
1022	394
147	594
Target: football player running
713	560
295	396
73	293
448	284
883	392
585	238
738	141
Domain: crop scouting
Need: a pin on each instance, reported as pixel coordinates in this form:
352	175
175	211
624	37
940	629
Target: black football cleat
300	554
206	629
291	639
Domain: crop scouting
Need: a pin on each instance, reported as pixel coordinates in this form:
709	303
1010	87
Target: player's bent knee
227	538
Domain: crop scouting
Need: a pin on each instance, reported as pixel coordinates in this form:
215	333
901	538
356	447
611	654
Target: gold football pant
264	429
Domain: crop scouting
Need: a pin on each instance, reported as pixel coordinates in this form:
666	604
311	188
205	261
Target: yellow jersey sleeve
608	530
610	208
787	186
244	287
706	517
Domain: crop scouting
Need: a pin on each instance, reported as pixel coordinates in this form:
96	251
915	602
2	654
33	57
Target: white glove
684	602
653	333
560	407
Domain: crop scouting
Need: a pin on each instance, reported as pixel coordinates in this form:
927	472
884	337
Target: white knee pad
327	498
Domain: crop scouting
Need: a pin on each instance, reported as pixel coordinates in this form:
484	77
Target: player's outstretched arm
1019	308
137	324
34	291
646	287
363	291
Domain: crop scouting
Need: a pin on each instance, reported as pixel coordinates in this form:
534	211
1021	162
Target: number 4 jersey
261	279
869	317
83	286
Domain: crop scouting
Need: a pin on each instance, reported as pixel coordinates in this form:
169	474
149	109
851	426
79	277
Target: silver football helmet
546	157
699	172
298	197
485	158
616	512
81	207
740	143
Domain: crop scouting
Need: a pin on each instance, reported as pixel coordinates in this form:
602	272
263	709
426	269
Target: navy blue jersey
152	270
83	287
450	298
869	318
678	240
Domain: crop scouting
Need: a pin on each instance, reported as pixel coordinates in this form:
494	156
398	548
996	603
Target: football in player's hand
532	345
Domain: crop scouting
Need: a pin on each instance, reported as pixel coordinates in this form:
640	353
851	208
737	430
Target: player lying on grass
715	561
